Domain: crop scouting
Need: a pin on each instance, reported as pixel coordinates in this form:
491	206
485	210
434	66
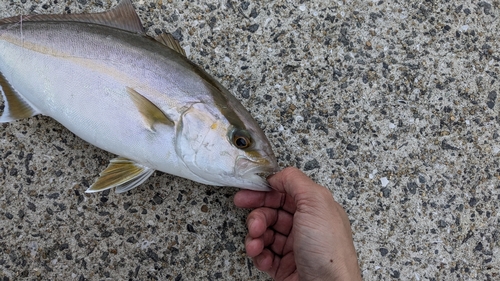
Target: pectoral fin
151	113
122	173
16	107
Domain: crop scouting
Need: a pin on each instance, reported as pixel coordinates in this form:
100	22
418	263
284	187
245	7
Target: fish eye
241	139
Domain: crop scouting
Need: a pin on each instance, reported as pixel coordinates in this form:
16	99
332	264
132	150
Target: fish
138	97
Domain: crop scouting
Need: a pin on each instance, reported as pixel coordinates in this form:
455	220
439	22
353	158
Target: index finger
256	199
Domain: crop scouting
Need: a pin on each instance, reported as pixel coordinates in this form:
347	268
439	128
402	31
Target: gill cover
202	144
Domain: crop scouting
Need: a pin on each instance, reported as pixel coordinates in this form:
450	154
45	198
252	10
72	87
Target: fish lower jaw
253	180
246	181
252	174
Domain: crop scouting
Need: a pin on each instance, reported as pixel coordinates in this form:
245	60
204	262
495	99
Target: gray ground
391	104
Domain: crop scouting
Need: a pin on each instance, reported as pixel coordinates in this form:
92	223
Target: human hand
298	231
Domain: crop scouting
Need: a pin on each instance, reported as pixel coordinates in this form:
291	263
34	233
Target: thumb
293	182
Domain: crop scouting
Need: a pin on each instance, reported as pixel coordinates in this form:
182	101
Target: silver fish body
135	97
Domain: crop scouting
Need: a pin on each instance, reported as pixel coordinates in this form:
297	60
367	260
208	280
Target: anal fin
122	173
16	107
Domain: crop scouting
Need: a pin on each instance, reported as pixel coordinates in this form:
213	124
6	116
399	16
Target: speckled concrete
391	104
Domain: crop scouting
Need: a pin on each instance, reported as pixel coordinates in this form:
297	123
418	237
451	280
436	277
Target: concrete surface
391	104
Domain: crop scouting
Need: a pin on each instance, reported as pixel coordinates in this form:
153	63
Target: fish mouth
254	173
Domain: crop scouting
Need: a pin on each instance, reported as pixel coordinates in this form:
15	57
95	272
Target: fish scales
133	96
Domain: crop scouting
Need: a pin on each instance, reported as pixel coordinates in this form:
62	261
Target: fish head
224	153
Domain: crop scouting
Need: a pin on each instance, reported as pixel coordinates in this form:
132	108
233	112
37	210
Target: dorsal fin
123	16
168	40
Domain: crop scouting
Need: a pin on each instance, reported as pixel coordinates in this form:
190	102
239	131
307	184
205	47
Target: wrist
349	271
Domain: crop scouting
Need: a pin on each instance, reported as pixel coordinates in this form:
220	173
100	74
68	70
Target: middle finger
276	219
